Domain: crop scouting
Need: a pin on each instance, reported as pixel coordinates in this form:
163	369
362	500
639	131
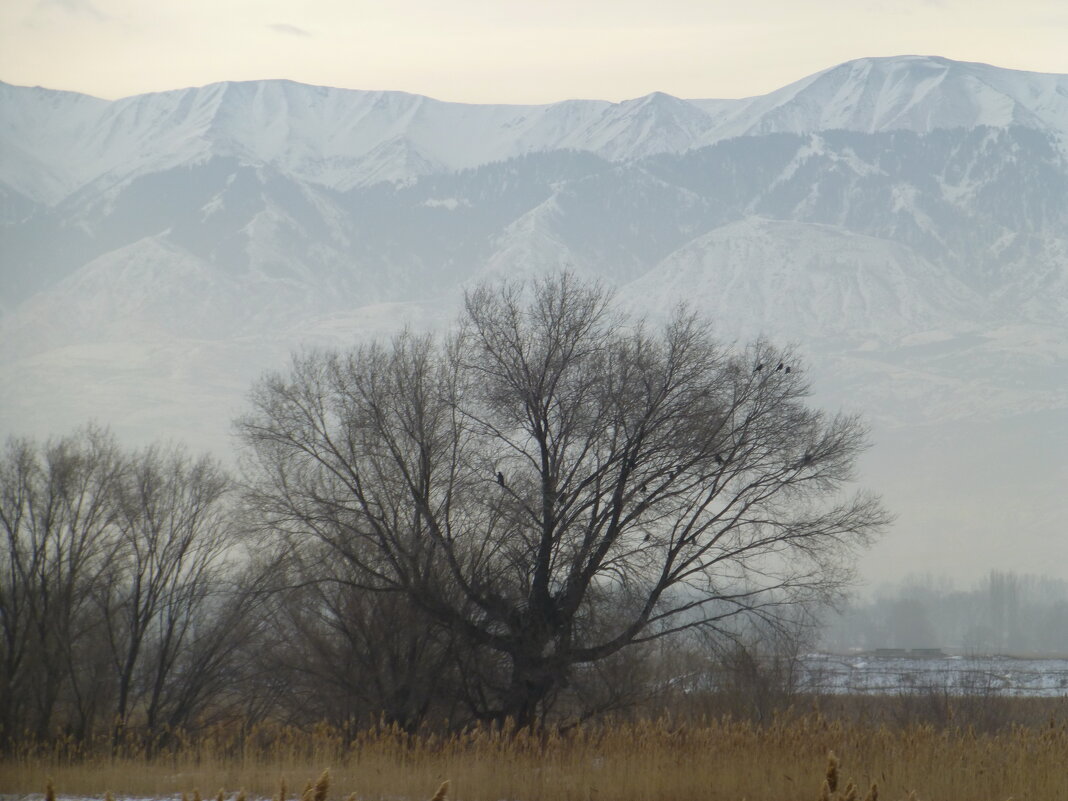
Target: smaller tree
56	517
350	656
118	597
173	534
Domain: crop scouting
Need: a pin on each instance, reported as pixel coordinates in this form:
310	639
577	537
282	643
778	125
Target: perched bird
500	478
787	369
719	459
779	367
758	368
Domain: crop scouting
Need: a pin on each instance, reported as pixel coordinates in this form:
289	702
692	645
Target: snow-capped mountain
903	220
912	93
56	142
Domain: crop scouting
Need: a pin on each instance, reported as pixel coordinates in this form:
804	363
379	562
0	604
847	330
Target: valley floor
896	673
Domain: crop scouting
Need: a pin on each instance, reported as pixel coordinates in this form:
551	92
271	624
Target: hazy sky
502	51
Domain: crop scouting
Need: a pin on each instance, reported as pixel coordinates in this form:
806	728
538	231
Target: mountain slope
936	199
791	280
912	93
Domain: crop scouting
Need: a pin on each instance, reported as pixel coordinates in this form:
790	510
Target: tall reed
652	760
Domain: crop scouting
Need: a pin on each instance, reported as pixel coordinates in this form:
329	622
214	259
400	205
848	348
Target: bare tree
555	483
202	676
118	593
353	656
56	516
172	537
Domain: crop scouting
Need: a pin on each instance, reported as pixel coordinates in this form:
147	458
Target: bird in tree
500	478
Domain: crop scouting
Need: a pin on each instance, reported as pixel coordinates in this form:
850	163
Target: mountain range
903	220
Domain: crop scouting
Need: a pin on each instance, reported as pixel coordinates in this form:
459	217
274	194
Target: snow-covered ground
957	675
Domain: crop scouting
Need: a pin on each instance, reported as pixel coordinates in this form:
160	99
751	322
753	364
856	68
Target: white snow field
867	674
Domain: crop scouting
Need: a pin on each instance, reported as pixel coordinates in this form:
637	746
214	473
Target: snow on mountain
914	93
55	142
924	214
335	137
155	289
902	220
789	280
656	123
40	126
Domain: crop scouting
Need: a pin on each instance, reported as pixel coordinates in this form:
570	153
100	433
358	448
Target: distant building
927	653
890	653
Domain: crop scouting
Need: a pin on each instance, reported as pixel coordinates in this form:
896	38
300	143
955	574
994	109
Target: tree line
1002	613
118	594
509	521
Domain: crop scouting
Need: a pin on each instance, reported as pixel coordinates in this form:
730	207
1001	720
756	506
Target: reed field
795	758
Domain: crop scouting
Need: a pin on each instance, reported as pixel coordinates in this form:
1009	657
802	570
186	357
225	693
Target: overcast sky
486	51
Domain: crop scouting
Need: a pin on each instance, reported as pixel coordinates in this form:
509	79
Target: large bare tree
555	483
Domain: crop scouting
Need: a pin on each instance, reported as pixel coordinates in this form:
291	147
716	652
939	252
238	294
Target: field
988	675
632	761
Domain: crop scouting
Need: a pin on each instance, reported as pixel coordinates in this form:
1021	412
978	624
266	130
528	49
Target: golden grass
642	761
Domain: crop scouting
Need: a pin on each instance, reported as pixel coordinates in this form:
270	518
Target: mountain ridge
324	134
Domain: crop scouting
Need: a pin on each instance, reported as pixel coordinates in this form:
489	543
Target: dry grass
801	759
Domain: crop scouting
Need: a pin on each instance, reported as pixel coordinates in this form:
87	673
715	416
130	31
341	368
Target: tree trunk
533	681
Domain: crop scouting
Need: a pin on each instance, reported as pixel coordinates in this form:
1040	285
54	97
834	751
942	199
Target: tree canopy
553	482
